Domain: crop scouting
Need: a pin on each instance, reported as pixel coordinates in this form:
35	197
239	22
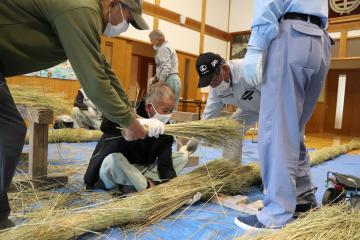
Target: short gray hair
158	91
156	34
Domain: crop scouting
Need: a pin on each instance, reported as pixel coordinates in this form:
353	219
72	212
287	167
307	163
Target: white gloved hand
155	127
91	111
194	199
253	66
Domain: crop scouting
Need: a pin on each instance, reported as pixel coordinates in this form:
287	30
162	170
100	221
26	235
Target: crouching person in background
85	114
120	164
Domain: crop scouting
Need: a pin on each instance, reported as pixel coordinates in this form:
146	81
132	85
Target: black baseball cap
206	64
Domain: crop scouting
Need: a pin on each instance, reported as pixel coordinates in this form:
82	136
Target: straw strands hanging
336	222
31	96
219	132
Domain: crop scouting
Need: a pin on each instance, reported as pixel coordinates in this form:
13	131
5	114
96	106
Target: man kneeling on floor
117	163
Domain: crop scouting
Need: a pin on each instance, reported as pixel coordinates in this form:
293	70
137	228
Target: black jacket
79	101
148	151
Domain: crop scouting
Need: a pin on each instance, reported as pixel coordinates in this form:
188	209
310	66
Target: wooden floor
318	141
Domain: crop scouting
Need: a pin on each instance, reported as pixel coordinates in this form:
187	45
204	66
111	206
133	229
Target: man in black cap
227	87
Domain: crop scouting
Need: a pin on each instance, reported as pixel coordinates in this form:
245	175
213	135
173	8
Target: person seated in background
85	114
117	163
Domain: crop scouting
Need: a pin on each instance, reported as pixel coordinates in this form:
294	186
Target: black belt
304	17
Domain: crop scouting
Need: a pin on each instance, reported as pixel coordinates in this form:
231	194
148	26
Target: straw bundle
31	96
71	135
140	209
335	222
221	132
329	153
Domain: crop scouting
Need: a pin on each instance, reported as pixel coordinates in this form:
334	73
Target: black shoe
250	222
6	223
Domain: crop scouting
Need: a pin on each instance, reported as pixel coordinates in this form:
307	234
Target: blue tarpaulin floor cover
200	221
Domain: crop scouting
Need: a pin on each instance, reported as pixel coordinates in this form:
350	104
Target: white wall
217	13
142	35
215	45
241	14
189	8
181	38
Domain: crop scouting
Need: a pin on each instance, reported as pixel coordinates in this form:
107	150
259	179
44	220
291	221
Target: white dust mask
161	117
223	86
115	30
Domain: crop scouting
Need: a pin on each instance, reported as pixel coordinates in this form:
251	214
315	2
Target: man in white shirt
227	87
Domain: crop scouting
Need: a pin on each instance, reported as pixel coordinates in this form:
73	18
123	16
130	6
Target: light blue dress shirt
265	24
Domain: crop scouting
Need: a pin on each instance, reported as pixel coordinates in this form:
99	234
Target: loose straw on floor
337	222
140	209
152	205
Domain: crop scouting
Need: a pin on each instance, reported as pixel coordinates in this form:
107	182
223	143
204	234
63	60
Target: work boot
6	223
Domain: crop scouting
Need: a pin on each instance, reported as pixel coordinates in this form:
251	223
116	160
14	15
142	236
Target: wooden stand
239	203
39	120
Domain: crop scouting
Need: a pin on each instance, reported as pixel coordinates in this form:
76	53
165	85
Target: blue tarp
201	221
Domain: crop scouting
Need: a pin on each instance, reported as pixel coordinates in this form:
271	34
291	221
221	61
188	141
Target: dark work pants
12	135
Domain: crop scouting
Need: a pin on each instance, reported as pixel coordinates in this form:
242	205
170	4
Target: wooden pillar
38	150
343	44
156	17
228	30
202	29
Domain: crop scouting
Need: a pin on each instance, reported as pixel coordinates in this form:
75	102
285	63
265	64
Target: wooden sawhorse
39	120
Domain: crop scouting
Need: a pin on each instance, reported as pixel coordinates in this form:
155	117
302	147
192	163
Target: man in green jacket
38	34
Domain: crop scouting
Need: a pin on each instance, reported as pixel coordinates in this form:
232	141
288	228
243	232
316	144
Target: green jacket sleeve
79	32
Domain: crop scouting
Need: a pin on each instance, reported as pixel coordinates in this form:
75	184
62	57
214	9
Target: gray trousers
12	135
296	66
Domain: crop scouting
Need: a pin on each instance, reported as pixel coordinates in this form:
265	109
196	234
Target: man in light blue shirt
289	57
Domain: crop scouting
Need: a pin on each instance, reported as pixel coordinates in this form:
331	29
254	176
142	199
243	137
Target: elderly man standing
291	82
38	34
166	62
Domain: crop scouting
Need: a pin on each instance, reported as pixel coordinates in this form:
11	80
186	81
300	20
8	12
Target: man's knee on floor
112	162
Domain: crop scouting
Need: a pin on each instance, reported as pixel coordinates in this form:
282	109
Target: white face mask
223	86
161	117
115	30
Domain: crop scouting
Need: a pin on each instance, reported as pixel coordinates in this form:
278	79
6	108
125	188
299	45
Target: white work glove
154	126
91	111
253	66
194	199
